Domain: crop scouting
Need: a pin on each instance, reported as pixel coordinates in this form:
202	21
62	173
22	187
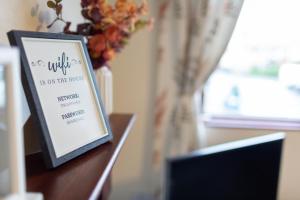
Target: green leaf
51	4
58	1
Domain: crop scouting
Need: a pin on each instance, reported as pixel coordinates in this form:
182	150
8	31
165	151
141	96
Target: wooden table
85	177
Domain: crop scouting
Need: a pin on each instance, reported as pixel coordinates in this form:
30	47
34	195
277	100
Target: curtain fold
192	36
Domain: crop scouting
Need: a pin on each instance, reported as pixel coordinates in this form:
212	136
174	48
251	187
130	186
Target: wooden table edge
97	190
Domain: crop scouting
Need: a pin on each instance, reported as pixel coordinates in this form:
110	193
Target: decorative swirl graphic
75	62
38	63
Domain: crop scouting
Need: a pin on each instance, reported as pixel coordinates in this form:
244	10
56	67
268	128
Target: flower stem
55	20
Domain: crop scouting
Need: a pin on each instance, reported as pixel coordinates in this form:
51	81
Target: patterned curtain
192	36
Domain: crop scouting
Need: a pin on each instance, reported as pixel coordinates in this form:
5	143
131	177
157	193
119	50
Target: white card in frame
62	93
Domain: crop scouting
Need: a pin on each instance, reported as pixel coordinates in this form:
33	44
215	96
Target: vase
105	83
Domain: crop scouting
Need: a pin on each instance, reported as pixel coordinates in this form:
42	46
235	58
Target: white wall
17	15
132	84
290	174
133	88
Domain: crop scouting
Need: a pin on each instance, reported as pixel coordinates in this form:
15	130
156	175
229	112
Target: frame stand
31	140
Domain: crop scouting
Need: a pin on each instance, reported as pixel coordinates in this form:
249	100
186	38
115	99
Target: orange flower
97	43
113	34
108	54
106	9
132	9
143	9
150	24
108	26
121	5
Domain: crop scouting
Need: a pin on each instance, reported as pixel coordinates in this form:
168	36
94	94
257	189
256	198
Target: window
258	77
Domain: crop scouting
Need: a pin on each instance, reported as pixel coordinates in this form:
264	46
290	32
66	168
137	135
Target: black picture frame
34	102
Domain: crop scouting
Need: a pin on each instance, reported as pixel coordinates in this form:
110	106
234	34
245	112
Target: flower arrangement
108	27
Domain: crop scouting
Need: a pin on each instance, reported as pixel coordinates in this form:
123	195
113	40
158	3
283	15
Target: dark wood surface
84	176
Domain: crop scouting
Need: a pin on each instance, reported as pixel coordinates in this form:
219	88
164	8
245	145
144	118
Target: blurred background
254	90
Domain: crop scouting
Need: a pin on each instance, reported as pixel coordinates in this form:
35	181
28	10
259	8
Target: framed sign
12	169
62	94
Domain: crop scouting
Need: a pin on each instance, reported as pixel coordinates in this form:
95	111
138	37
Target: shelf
84	176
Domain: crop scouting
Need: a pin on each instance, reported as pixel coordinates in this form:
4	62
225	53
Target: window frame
245	122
